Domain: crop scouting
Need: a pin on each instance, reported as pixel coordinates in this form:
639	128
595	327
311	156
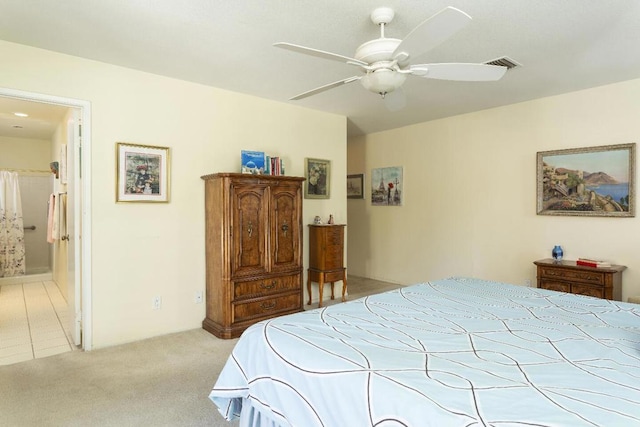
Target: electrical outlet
198	297
527	282
156	303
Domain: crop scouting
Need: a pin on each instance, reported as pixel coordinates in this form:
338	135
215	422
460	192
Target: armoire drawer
267	307
265	286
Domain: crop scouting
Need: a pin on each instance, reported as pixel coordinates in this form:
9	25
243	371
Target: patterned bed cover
454	352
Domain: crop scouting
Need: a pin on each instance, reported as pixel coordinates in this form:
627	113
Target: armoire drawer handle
271	286
266	306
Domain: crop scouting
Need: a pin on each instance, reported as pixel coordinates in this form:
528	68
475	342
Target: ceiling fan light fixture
383	81
386	62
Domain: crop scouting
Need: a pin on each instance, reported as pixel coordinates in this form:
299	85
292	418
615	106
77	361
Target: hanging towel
51	218
63	214
62	203
56	218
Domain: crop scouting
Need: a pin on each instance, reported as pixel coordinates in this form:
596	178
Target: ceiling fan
386	62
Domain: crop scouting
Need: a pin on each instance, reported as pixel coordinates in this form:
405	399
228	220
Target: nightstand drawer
555	286
266	286
591	291
592	277
334	237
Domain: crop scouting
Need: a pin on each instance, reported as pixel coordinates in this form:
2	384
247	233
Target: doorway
78	204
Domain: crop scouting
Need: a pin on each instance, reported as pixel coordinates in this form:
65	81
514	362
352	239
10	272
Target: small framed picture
387	186
355	186
142	173
318	174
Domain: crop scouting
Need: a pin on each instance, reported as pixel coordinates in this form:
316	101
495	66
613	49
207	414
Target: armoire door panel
285	229
249	236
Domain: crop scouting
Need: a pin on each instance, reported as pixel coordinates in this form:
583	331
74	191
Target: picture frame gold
142	173
318	178
591	181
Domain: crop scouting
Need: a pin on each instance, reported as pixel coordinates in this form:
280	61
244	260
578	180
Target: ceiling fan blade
459	71
325	87
318	53
432	32
396	100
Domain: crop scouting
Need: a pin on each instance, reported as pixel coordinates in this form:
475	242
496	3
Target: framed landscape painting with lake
593	181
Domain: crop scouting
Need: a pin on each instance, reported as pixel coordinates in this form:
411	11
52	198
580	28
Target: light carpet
162	381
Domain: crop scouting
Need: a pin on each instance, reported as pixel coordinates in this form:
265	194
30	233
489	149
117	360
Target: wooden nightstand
566	276
326	258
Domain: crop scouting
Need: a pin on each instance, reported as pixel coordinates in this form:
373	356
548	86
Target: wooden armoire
253	230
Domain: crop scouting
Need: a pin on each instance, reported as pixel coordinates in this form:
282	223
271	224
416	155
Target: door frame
84	162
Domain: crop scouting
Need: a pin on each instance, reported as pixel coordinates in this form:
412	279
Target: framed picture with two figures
142	173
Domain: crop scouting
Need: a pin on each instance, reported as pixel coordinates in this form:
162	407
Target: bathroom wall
35	190
27	155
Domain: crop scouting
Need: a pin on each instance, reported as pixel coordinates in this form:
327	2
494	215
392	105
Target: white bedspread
455	352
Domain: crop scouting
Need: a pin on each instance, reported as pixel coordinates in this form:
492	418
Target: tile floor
34	322
34	319
357	287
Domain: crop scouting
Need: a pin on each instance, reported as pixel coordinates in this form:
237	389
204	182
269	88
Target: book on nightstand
592	263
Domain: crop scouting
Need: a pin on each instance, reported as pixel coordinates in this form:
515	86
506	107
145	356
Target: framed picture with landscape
593	181
142	173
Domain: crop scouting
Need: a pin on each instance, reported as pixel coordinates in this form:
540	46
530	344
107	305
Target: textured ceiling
563	46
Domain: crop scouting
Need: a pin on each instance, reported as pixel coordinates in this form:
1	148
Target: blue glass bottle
557	253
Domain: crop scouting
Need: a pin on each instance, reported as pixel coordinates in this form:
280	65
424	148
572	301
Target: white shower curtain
12	262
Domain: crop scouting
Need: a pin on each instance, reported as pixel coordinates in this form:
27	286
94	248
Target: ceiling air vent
504	62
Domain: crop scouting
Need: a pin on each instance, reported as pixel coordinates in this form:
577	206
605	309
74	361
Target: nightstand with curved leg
326	259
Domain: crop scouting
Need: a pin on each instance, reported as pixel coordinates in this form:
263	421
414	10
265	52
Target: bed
453	352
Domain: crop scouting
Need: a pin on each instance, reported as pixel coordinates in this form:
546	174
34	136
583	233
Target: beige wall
60	253
31	157
25	153
470	192
36	154
144	249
